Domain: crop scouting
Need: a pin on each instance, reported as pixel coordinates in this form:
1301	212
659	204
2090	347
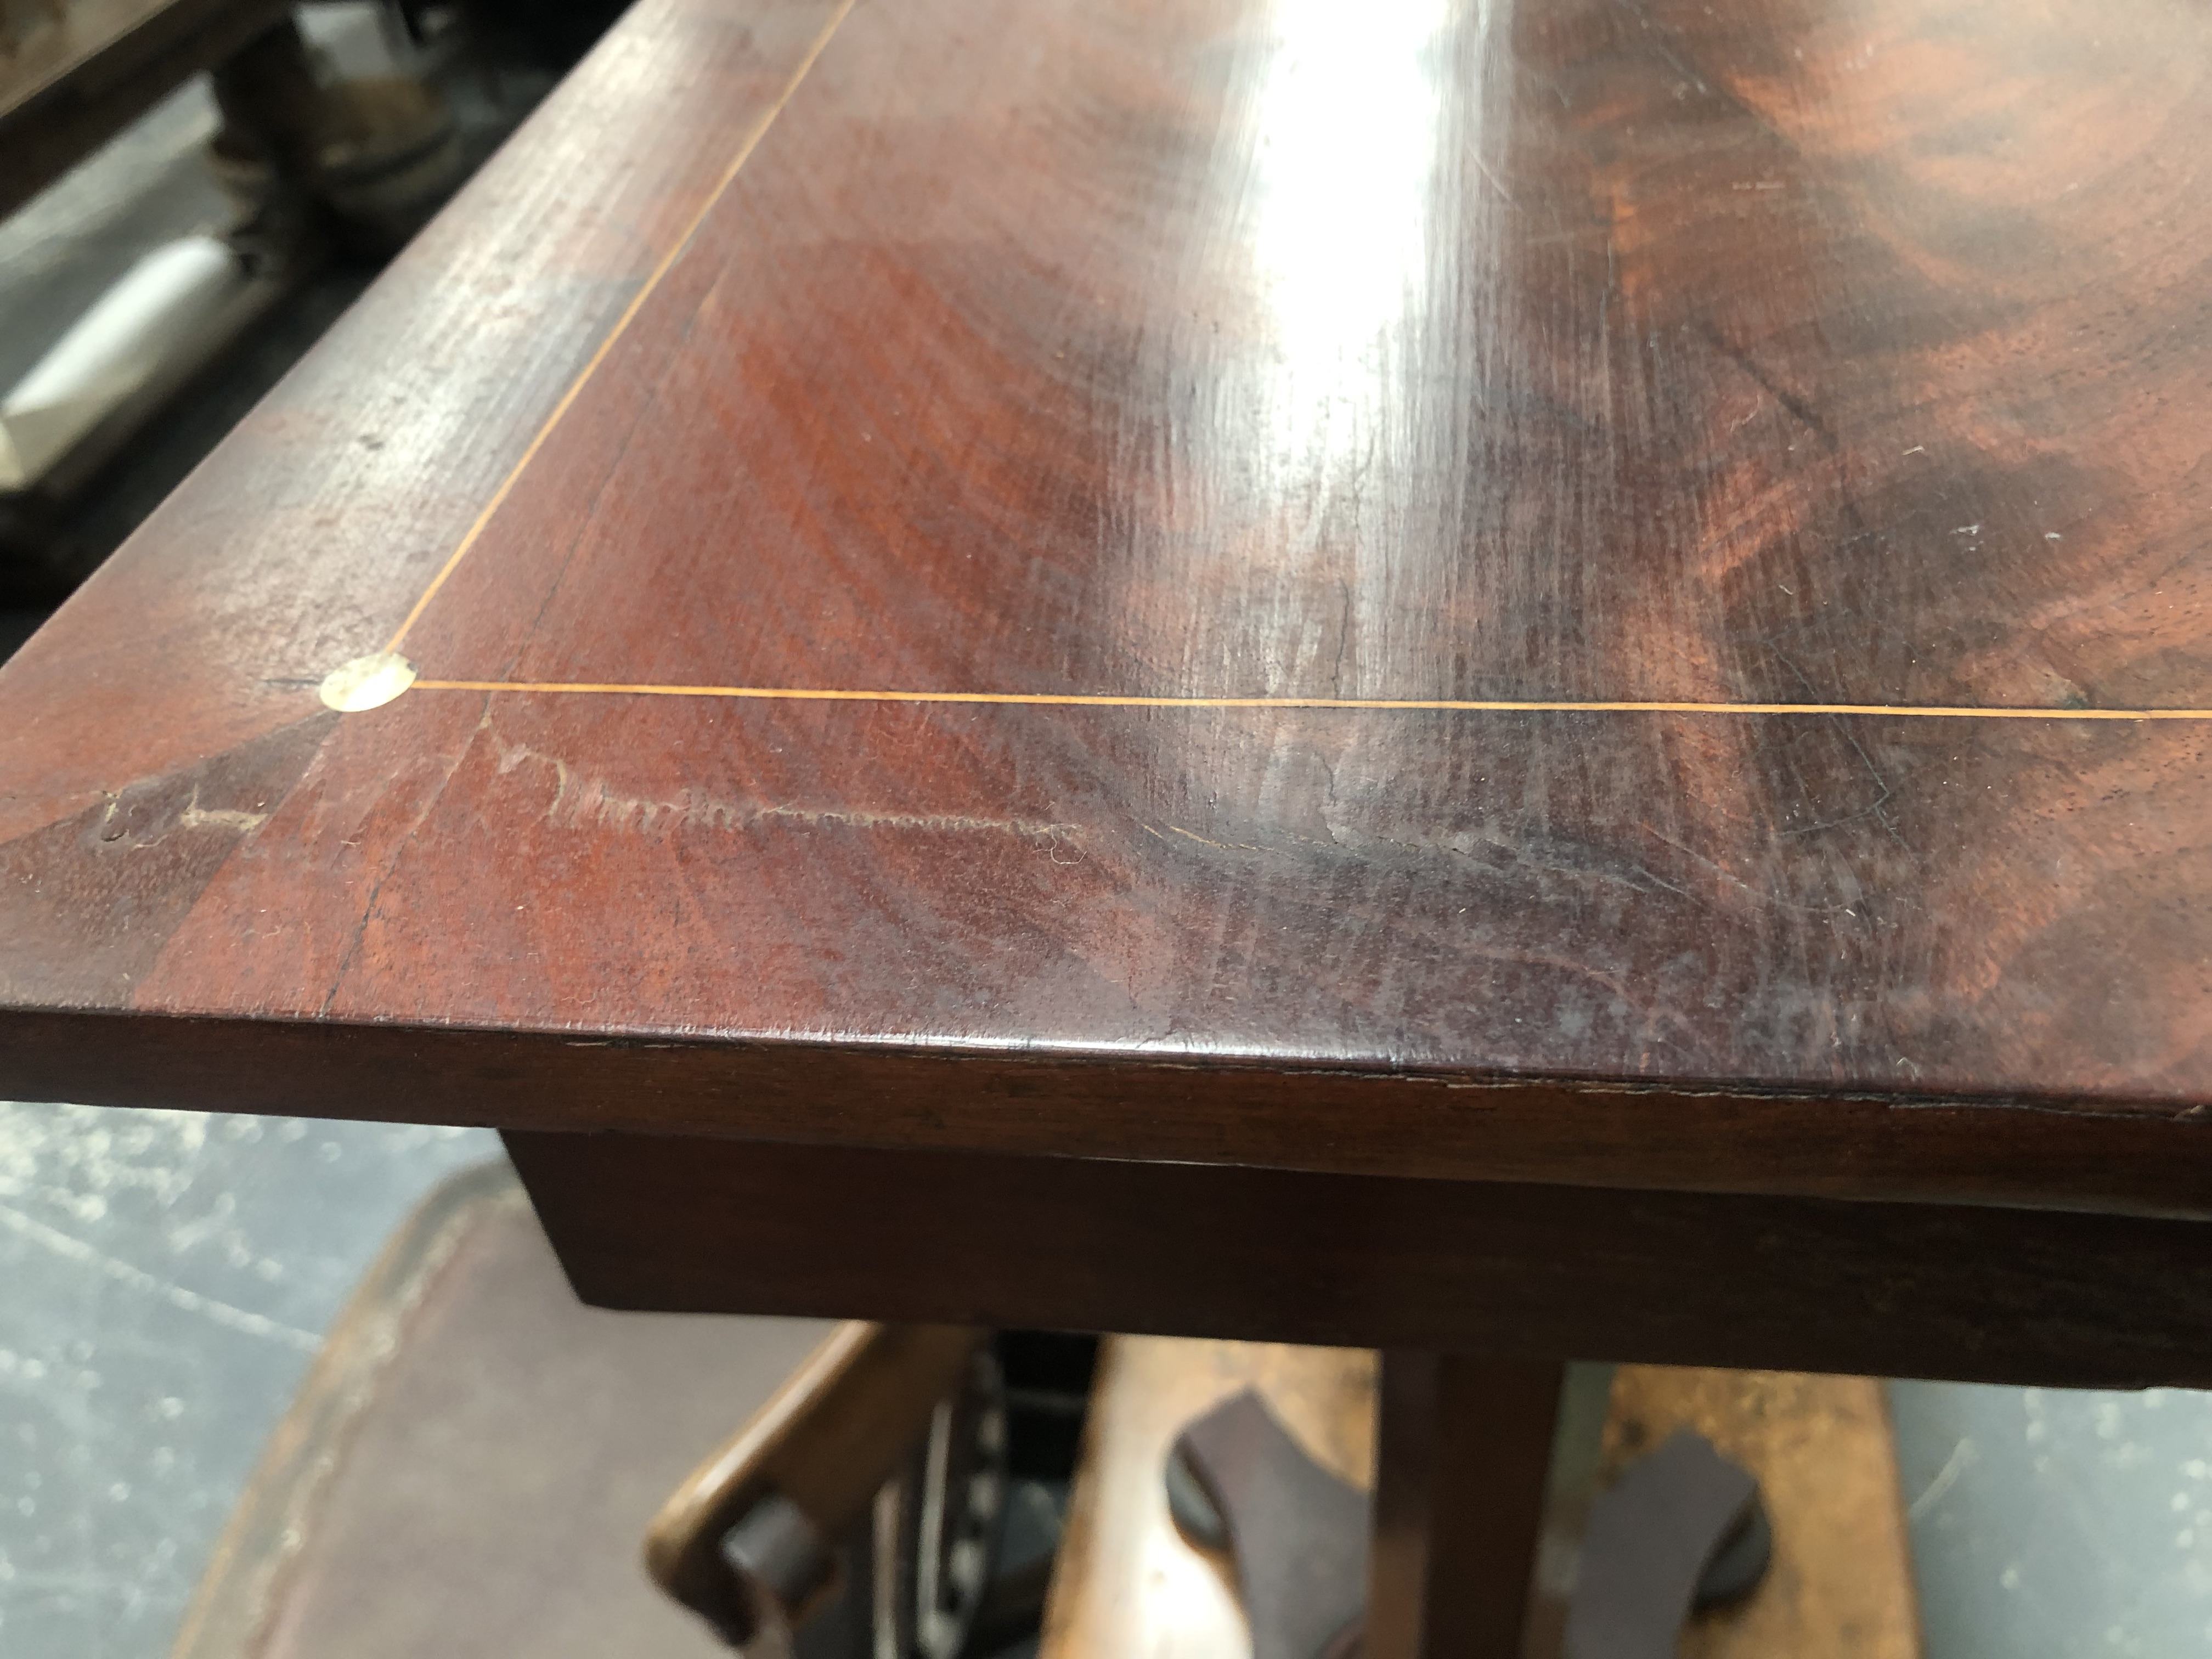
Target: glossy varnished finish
1855	352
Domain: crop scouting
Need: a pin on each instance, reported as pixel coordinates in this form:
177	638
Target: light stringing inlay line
758	131
778	693
1441	705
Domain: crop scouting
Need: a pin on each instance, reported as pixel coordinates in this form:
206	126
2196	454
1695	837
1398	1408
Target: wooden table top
1614	593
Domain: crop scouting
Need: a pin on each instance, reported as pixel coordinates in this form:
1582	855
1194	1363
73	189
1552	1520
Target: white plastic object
111	351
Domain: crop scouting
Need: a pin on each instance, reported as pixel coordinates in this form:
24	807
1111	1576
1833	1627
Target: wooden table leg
1463	1448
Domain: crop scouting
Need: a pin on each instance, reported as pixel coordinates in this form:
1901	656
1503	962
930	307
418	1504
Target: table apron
1544	1273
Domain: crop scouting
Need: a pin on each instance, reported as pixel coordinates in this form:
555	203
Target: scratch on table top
583	800
196	816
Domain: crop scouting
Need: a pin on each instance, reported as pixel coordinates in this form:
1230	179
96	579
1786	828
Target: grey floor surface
165	1279
2052	1522
164	1276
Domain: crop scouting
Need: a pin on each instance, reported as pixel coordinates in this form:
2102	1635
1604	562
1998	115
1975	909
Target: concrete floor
164	1276
2051	1522
165	1279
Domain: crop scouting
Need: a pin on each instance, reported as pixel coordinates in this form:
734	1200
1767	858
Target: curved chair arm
748	1541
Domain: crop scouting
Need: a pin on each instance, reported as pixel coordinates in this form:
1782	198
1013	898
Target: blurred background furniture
73	73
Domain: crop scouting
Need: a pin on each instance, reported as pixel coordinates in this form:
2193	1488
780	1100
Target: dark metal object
1193	1512
777	1561
1652	1538
1683	1527
1740	1563
937	1523
1011	1608
1297	1533
915	1570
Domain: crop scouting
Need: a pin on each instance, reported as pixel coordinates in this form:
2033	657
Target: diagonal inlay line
1444	705
758	131
751	141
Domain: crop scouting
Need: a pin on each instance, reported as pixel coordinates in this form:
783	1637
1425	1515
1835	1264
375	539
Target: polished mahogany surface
1612	594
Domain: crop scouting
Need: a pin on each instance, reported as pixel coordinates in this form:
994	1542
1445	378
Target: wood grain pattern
1463	1459
842	1425
1613	350
1510	1271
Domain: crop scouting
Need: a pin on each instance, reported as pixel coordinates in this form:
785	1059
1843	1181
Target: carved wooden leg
1463	1448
